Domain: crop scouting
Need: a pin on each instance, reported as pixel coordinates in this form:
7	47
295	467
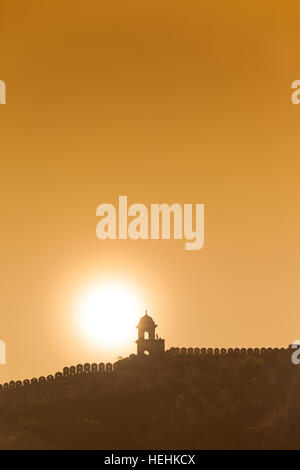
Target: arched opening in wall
146	335
146	353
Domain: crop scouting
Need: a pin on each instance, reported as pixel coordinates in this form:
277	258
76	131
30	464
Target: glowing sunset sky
170	101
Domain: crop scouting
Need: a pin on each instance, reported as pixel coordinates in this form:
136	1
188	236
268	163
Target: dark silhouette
151	345
176	399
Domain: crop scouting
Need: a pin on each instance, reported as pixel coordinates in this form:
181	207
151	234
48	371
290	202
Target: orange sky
170	101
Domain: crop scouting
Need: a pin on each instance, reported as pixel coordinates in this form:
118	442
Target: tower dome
146	322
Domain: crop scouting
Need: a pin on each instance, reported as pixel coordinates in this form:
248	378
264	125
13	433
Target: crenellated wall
230	352
77	378
65	376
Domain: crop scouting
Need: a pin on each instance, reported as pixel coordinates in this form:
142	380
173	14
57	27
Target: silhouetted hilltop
196	399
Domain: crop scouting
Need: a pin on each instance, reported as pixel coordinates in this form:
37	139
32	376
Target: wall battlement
73	375
230	352
68	373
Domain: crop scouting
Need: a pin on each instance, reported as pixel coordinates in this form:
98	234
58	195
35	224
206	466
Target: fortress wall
230	352
104	369
75	379
69	376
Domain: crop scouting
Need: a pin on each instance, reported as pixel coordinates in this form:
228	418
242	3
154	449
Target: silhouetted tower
146	342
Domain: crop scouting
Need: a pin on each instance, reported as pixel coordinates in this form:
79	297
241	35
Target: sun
109	313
